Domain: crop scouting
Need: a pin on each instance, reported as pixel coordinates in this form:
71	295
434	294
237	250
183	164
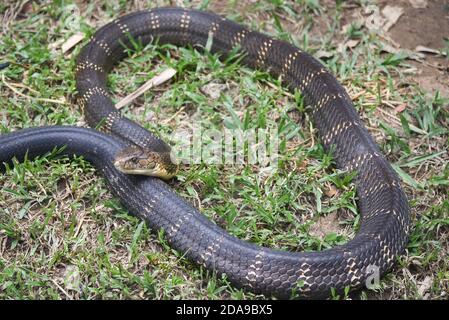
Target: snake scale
383	207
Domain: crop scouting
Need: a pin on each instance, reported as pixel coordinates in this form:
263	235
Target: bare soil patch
425	24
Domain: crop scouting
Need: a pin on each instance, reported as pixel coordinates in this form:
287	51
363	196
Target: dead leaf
400	108
27	8
392	15
352	43
410	54
348	44
320	54
418	4
375	20
54	45
331	191
213	90
301	166
425	286
428	50
382	20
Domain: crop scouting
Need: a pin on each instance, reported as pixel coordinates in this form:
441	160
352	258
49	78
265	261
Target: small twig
62	290
12	87
358	95
78	227
21	85
72	41
173	116
155	81
391	116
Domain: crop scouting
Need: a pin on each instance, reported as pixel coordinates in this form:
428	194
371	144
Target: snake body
383	207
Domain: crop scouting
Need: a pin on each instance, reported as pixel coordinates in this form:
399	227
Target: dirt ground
425	24
421	23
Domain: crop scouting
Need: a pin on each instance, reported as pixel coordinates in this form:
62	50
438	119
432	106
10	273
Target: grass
62	235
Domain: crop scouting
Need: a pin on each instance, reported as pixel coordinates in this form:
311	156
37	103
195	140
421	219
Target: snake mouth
140	161
141	172
157	171
123	166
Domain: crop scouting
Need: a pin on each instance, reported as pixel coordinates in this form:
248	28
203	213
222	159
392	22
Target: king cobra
383	207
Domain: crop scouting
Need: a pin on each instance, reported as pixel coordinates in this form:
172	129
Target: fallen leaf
428	50
302	165
400	108
418	4
26	8
320	54
352	43
375	20
382	20
392	15
213	90
54	45
410	54
348	44
425	286
331	191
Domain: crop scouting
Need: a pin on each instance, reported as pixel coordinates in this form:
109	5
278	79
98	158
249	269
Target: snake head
141	161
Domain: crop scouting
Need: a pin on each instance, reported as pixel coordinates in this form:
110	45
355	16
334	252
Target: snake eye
135	160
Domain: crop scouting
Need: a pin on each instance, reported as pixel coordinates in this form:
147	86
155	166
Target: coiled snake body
383	207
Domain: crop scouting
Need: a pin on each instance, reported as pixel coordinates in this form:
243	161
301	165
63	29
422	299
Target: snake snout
140	161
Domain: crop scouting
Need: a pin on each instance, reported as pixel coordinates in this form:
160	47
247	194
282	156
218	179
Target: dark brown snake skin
383	207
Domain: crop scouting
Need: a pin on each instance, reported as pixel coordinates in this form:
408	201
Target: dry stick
72	41
62	289
11	86
155	81
78	227
173	116
21	85
358	95
398	122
